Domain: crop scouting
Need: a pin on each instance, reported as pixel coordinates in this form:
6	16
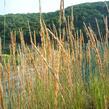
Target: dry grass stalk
62	20
56	67
69	64
23	48
0	51
56	90
13	43
8	70
1	77
62	16
106	102
34	37
40	10
1	89
107	31
30	32
88	54
56	38
93	42
99	32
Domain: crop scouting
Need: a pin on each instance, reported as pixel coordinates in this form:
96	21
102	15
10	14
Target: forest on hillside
83	13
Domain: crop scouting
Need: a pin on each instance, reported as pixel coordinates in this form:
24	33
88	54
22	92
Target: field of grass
59	74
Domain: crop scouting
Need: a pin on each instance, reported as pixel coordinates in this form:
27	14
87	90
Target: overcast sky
28	6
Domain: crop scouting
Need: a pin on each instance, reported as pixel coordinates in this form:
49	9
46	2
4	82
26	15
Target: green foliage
86	12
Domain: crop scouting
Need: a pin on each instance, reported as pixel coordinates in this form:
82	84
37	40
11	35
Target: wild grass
59	74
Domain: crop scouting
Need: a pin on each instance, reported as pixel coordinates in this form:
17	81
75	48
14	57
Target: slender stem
40	10
4	24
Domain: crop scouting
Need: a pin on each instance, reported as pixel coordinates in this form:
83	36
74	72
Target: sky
29	6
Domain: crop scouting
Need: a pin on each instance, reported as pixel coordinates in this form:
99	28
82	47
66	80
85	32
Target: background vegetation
86	12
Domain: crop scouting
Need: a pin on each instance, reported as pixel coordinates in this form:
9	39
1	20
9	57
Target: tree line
83	13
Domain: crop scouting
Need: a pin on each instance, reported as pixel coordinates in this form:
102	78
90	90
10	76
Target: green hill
86	12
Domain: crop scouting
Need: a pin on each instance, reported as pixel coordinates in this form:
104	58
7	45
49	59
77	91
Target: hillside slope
86	12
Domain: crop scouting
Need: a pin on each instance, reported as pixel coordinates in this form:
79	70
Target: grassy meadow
62	73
